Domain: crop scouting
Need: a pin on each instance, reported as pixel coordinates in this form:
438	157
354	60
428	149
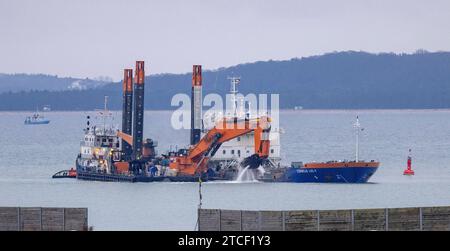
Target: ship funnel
138	117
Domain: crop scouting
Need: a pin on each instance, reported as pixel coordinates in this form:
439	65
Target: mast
105	112
357	126
233	91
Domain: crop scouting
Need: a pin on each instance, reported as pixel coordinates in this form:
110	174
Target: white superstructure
99	144
243	146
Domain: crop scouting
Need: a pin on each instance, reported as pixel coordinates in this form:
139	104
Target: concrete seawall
385	219
43	219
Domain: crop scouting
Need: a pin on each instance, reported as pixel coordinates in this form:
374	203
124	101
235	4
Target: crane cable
197	225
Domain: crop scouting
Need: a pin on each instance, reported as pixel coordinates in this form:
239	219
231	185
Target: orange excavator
195	161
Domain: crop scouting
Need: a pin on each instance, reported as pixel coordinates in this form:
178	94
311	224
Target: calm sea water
29	155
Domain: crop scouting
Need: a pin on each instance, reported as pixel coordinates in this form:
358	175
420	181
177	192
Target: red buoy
408	170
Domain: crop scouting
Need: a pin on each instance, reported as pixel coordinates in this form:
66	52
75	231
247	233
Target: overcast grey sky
87	38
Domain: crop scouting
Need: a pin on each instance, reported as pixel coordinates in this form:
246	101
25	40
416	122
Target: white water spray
249	175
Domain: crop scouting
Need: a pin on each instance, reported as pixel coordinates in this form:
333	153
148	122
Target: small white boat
36	119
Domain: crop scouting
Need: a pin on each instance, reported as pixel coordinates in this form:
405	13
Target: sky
92	38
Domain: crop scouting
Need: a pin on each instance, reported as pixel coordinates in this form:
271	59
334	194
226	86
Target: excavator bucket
253	161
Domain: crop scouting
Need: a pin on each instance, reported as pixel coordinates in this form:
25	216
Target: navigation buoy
408	170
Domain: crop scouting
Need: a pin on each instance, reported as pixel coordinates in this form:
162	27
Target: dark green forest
340	80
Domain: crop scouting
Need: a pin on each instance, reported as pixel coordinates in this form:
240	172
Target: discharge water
246	174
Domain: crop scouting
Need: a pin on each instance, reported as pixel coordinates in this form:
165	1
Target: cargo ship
356	171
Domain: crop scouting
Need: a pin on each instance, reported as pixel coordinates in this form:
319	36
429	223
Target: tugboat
357	171
102	158
36	119
100	150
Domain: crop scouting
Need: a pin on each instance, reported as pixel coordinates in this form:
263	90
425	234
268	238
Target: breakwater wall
385	219
43	219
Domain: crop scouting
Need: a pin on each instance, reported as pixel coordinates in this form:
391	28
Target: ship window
271	150
238	138
232	151
224	151
239	153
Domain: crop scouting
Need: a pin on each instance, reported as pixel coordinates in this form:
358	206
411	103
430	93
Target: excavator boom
126	137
